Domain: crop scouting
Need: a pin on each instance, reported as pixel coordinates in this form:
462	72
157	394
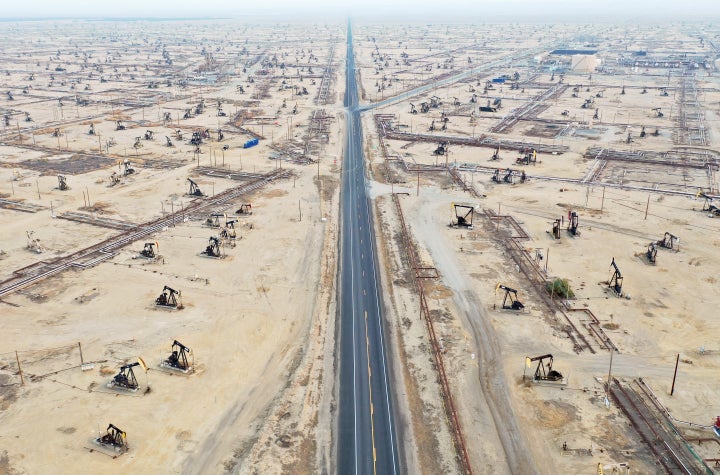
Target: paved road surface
367	442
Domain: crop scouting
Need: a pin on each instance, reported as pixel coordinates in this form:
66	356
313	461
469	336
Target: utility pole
677	361
17	358
607	390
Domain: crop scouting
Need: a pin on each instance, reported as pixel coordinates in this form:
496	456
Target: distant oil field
349	246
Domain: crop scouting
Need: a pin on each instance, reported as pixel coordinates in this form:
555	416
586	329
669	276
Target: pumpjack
527	158
228	232
114	179
463	215
708	205
245	208
441	149
556	229
128	169
114	438
119	125
168	298
168	142
544	371
573	224
33	243
510	301
62	183
508	176
616	279
149	134
178	359
194	189
92	129
496	154
125	379
213	220
651	253
670	241
148	252
213	248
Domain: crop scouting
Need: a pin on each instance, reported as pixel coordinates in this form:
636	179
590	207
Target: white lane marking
382	351
353	305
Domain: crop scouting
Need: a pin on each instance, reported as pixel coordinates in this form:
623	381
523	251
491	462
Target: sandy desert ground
261	320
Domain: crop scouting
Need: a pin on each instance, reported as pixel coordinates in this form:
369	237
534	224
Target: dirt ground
261	321
664	309
259	325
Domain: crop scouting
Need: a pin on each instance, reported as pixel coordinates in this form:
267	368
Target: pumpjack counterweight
616	279
178	359
168	299
651	253
544	372
113	438
463	215
213	248
125	379
194	189
510	301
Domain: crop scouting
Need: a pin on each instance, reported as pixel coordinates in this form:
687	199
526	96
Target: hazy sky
581	9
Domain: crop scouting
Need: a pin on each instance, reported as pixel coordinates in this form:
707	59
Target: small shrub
561	288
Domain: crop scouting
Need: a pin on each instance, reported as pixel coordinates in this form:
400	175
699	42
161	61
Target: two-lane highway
367	442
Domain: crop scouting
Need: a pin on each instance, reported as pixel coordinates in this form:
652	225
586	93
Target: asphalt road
367	442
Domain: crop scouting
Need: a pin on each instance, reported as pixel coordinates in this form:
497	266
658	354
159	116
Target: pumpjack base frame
107	449
168	307
111	385
165	365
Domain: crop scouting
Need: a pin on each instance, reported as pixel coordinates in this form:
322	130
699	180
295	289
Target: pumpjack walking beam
573	223
556	229
463	215
616	279
194	189
543	371
510	301
126	379
178	359
651	253
168	298
114	437
670	241
213	248
149	250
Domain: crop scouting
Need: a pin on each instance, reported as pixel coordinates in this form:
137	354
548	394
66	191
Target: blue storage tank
251	143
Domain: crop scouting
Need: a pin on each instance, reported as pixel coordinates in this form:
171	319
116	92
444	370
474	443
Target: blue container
251	143
498	80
